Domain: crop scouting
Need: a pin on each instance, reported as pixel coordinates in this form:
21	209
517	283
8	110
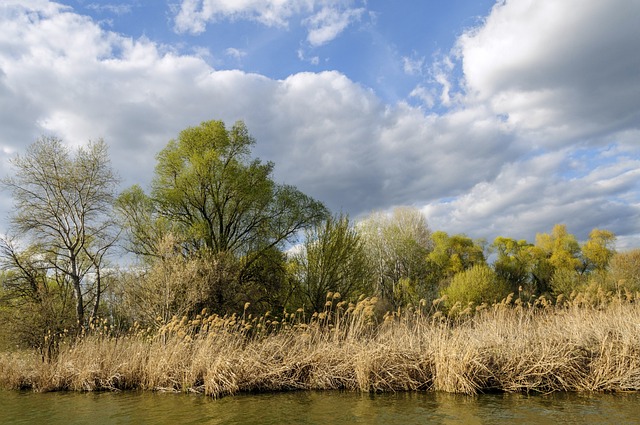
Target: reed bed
506	347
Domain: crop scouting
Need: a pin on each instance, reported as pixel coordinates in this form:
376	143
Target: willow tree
63	202
217	200
217	197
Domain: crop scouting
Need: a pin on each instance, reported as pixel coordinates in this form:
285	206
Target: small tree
63	203
332	259
397	245
513	263
35	308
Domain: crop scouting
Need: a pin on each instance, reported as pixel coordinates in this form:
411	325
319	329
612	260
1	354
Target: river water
317	408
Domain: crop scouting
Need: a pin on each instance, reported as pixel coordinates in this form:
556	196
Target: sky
491	117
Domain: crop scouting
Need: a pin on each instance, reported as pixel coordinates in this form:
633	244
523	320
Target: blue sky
493	118
381	40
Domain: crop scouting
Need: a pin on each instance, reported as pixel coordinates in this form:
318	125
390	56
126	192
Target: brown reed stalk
510	347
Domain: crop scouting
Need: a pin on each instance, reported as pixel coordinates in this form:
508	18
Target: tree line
216	233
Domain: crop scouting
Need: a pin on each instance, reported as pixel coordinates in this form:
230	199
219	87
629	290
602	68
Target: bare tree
63	201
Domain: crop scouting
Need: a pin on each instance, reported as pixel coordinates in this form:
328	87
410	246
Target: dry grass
505	347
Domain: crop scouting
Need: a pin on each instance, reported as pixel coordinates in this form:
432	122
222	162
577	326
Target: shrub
477	285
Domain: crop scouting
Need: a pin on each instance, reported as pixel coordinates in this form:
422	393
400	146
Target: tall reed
505	347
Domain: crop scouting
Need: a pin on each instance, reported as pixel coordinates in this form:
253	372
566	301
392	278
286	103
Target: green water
317	408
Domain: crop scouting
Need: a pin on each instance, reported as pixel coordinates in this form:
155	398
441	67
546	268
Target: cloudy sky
494	118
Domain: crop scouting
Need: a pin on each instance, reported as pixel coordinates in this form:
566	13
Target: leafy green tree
560	247
63	203
513	262
452	255
566	281
215	200
397	245
552	252
222	199
144	230
598	250
332	259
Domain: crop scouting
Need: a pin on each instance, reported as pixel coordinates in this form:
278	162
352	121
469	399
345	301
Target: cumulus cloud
560	71
519	149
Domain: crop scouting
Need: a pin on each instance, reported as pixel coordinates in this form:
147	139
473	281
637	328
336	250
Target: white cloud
490	165
236	53
194	15
413	65
559	71
529	196
424	95
117	9
325	19
328	23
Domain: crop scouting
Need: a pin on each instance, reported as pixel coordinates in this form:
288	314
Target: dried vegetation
510	346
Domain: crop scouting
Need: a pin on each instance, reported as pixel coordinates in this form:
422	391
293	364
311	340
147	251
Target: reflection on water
317	408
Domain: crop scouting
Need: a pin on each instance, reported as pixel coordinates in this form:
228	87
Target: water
317	408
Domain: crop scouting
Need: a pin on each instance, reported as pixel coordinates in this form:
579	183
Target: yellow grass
506	347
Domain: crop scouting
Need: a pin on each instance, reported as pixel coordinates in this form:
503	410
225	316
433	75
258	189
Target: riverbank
506	347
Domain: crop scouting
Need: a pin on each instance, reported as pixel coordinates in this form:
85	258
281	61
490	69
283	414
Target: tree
63	202
513	262
172	286
332	259
552	252
561	248
397	245
217	201
452	255
598	250
34	307
224	200
144	230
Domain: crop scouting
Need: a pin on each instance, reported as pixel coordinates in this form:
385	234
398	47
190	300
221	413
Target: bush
566	281
624	270
477	285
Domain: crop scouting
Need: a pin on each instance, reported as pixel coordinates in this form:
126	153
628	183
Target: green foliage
143	228
598	250
35	310
478	284
566	280
452	255
215	202
221	199
560	248
332	259
513	262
